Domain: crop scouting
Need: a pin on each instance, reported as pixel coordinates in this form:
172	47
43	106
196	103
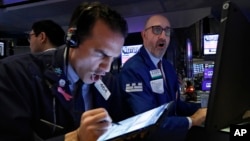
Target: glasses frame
29	36
157	30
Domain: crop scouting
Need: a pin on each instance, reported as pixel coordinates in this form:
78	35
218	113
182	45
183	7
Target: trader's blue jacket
136	79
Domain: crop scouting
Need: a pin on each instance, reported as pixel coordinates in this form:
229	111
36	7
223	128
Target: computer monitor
229	96
2	49
210	42
128	51
208	73
198	68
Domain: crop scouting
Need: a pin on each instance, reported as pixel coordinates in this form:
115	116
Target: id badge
157	86
101	87
155	74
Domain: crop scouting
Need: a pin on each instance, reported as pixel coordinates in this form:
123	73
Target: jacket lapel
143	53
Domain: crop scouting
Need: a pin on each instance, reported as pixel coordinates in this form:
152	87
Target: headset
72	38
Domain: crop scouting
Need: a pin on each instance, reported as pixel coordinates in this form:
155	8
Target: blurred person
149	80
39	98
45	35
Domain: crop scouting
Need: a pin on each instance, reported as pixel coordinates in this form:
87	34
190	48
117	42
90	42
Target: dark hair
53	31
86	14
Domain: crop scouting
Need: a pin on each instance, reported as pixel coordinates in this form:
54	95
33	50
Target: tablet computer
137	124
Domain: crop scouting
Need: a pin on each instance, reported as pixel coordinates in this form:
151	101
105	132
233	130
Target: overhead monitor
210	42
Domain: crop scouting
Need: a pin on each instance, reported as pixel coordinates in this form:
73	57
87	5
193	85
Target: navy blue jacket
29	98
135	80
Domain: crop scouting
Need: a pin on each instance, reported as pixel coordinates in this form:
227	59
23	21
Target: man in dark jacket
37	91
45	35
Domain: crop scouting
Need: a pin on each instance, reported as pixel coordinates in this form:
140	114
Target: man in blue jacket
37	91
149	80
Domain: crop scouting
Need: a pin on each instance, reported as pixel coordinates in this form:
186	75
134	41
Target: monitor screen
229	96
206	85
129	51
208	73
209	65
198	68
210	44
2	48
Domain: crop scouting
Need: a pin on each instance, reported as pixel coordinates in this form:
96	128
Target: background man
45	35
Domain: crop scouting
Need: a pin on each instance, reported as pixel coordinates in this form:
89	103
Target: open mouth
161	45
95	77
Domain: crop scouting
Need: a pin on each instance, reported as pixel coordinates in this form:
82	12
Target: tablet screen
135	123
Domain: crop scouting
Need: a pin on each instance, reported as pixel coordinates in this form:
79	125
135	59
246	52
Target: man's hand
199	117
93	124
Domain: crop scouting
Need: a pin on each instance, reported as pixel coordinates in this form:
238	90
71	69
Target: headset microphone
71	38
72	41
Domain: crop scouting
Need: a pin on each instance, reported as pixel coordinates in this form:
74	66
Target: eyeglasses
29	36
157	30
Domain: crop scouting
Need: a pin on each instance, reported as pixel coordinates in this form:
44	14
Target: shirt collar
153	59
72	76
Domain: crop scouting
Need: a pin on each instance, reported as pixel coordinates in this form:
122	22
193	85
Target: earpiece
71	38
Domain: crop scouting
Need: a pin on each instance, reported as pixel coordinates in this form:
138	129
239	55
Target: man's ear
143	34
42	36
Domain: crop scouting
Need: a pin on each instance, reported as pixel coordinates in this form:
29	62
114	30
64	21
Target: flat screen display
198	68
208	73
2	49
206	85
210	44
129	51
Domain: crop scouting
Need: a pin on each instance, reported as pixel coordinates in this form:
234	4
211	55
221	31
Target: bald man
149	80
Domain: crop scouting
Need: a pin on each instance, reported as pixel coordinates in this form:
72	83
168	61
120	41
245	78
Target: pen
116	123
113	123
52	124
